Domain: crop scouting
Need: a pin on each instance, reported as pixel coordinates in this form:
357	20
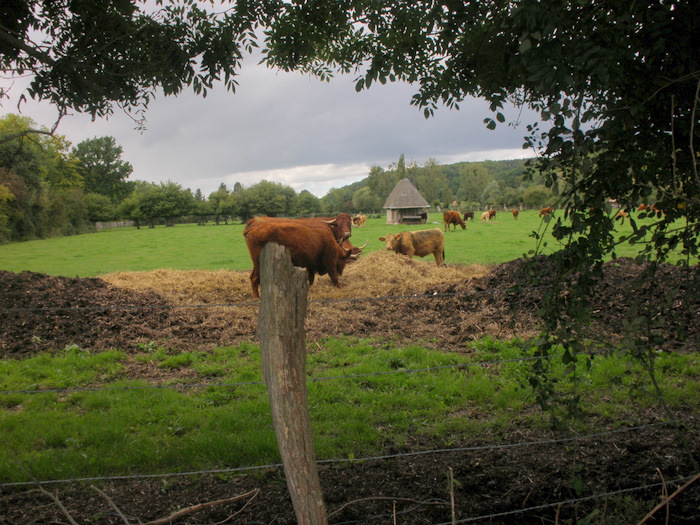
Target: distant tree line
471	185
49	188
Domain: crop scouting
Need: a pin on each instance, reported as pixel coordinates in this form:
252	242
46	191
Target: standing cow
546	211
313	248
420	243
485	216
454	218
359	220
516	212
468	215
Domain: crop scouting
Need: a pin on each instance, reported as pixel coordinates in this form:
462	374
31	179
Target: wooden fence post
284	290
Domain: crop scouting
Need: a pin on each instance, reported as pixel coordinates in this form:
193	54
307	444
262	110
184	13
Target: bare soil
43	313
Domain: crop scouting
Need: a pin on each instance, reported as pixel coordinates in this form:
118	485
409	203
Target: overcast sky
289	128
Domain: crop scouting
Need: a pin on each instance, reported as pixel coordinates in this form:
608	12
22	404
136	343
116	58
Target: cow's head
342	226
347	256
392	240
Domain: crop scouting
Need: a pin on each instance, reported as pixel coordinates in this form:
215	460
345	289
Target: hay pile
376	274
187	287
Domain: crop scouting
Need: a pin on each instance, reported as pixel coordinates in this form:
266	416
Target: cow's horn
332	221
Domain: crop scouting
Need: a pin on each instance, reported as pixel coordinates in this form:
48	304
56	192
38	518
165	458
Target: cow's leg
255	280
438	257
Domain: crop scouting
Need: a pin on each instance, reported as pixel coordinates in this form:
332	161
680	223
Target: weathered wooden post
284	290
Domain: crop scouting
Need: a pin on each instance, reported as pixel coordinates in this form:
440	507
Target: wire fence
501	446
383	457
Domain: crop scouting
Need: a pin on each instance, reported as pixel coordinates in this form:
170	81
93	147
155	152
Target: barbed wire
231	470
571	501
524	510
519	511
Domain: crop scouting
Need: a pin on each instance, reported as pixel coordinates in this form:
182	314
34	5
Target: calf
420	243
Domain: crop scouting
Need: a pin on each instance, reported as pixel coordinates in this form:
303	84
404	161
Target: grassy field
122	426
211	247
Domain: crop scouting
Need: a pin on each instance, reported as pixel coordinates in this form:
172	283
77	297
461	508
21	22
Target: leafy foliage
102	169
90	56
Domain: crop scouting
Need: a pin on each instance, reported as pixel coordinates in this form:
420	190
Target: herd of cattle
454	218
322	244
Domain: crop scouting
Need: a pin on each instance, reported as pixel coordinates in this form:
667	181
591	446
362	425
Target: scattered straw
376	274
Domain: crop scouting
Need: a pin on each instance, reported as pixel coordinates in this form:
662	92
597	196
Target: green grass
211	247
128	430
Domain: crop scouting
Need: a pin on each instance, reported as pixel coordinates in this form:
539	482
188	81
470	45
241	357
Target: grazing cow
515	212
468	215
420	243
485	216
546	211
313	248
454	218
359	220
642	207
492	214
355	250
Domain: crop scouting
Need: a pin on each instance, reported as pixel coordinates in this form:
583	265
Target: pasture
413	372
212	247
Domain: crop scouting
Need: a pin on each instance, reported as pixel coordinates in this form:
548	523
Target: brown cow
642	207
492	214
340	226
313	248
546	211
359	220
420	243
468	215
515	212
454	218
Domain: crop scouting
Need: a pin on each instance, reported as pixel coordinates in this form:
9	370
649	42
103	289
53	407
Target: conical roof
405	195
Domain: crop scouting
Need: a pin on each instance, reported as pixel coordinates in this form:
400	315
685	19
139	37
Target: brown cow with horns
312	246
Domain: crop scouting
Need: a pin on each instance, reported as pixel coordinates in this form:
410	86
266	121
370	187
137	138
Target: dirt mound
451	307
